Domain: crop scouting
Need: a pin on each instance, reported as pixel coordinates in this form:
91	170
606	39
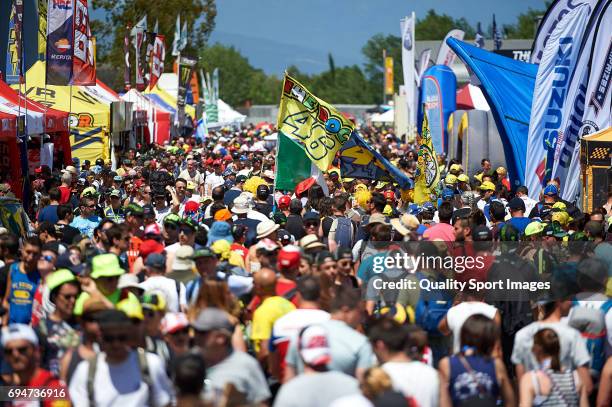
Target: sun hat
377	218
183	259
310	242
220	231
105	265
314	346
265	228
223	215
241	205
128	280
405	224
59	277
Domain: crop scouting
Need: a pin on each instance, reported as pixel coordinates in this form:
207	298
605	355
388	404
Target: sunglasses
171	226
114	338
187	231
22	350
311	224
48	258
69	297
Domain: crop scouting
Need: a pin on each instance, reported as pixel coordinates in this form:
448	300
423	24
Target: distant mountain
273	57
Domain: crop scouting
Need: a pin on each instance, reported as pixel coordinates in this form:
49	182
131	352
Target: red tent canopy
470	97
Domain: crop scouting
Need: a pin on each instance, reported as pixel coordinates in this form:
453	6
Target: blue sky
273	34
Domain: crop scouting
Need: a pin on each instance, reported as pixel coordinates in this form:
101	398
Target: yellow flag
389	90
428	172
313	123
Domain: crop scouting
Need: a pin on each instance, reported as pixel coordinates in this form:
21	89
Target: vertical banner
157	60
497	37
42	28
138	34
60	35
446	56
14	51
83	61
185	68
428	172
557	67
215	85
389	76
126	53
408	66
176	42
424	59
438	97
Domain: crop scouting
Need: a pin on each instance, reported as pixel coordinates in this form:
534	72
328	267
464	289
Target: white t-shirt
168	287
121	384
415	379
289	325
459	313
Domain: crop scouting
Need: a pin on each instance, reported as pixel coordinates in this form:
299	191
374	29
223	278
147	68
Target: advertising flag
138	38
424	60
83	61
212	108
587	108
185	68
60	39
408	66
157	60
15	46
497	37
42	28
446	56
358	159
389	76
215	85
126	53
428	171
317	126
555	13
479	41
183	41
177	37
555	72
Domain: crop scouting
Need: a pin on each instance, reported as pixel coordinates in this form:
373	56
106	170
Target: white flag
407	26
177	37
446	56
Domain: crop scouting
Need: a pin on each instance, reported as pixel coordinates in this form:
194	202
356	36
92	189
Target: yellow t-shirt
266	314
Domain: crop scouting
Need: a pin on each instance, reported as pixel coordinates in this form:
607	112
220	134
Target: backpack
345	236
594	334
145	375
431	307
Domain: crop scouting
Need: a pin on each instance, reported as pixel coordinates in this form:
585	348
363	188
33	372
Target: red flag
83	62
157	60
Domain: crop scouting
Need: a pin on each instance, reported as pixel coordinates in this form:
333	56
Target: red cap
153	229
138	183
304	185
191	206
217	162
284	201
38	170
228	158
389	195
209	161
150	246
288	258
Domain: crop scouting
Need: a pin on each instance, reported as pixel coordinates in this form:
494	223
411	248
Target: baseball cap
240	178
266	244
534	228
173	322
203	252
154	301
89	191
213	319
150	246
487	186
314	346
105	265
551	190
509	233
65	262
516	204
131	307
156	260
288	257
463	178
152	229
447	193
15	332
114	192
172	218
554	229
148	210
128	281
284	200
450	179
118	178
134	210
482	233
284	235
455	167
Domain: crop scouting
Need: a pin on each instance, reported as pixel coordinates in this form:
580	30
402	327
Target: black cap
283	235
516	204
148	210
482	233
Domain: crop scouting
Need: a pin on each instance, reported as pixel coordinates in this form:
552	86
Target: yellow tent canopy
171	100
89	114
604	135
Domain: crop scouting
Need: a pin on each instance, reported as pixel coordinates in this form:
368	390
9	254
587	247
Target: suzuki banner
60	34
83	61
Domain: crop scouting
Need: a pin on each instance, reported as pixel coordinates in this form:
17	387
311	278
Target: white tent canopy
386	117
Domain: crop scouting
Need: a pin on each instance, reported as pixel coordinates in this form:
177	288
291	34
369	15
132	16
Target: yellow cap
131	307
191	185
221	247
456	167
560	205
501	171
487	186
463	178
450	179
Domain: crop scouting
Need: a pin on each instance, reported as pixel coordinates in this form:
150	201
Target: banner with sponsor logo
14	50
138	38
185	68
60	35
553	16
42	28
408	66
446	56
317	126
126	55
389	90
83	61
157	60
516	54
589	88
555	71
424	60
438	97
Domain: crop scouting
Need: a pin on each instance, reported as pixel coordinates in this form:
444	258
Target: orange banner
389	90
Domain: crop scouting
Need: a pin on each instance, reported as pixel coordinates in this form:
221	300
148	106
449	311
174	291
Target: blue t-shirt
86	226
520	223
366	268
21	294
48	214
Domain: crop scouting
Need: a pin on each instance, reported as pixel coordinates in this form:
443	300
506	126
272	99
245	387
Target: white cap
314	347
15	332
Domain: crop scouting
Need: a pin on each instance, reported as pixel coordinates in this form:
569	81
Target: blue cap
447	193
96	169
414	209
156	260
428	206
220	231
551	190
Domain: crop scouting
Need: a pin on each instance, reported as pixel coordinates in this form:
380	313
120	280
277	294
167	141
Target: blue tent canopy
508	87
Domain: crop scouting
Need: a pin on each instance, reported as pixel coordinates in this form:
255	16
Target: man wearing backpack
343	231
120	375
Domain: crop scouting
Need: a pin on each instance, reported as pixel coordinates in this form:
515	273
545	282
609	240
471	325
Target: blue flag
359	160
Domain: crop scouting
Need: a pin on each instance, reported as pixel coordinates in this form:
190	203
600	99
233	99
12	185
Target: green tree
525	25
373	67
199	14
435	26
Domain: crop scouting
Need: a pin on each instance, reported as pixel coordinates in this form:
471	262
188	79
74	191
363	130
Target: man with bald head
271	308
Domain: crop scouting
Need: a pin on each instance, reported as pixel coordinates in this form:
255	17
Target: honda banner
83	61
60	34
446	56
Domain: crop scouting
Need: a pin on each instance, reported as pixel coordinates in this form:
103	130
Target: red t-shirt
45	379
65	194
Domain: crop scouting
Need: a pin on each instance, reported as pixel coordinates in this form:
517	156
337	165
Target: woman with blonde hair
214	292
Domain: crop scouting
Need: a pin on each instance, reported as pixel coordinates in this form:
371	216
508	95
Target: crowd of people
180	276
